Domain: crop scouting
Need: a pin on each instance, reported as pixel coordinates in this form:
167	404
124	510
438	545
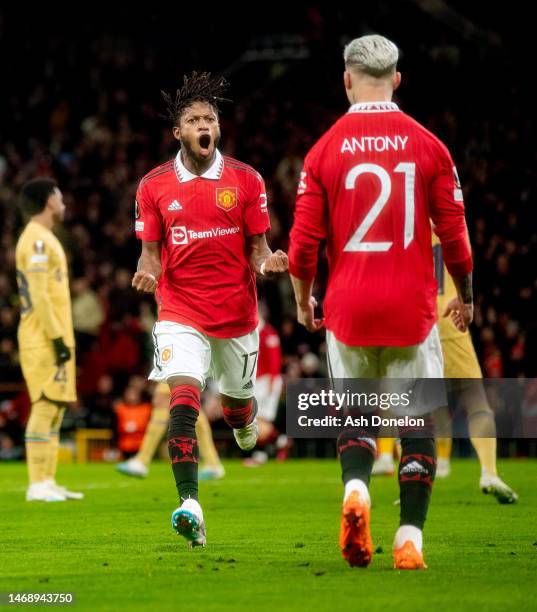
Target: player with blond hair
370	187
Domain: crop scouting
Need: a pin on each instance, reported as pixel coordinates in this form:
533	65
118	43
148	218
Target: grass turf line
272	542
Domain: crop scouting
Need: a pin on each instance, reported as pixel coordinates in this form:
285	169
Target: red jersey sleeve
148	224
309	226
256	218
447	214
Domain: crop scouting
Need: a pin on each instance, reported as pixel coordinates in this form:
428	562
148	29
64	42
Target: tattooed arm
461	308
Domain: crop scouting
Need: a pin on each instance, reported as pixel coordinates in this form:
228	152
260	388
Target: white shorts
268	390
406	363
181	350
423	360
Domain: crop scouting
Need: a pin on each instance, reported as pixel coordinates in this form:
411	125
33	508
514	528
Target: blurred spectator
11	430
9	367
310	365
132	415
88	313
99	405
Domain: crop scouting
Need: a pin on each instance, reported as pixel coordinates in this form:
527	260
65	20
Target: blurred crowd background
81	102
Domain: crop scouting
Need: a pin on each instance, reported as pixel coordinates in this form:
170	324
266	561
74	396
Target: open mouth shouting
205	145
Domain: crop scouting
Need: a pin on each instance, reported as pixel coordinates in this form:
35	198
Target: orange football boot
408	558
354	536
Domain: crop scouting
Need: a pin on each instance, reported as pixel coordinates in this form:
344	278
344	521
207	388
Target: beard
188	149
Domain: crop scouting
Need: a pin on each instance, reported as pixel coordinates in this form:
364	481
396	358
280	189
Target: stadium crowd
90	116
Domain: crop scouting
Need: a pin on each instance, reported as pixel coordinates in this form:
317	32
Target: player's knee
482	424
238	412
185	395
356	439
235	402
418	461
178	381
42	417
57	420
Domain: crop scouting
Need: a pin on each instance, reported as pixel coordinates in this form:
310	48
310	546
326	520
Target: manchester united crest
167	354
226	197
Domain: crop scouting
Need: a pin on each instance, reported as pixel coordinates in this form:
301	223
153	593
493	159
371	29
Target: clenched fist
275	263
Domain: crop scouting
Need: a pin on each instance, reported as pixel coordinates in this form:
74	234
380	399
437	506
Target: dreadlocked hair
197	87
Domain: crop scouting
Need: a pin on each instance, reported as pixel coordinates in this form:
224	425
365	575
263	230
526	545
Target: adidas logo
248	385
175	206
414	467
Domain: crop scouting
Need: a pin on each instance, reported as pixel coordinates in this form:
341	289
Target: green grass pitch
272	542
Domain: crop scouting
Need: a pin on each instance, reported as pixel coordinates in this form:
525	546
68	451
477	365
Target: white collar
214	172
374	107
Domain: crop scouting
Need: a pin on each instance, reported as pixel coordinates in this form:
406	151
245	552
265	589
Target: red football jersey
270	352
371	186
202	223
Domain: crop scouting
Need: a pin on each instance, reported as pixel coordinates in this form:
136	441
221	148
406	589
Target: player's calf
182	442
356	449
416	476
38	440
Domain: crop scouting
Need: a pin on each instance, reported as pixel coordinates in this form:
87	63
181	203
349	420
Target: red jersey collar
374	107
214	172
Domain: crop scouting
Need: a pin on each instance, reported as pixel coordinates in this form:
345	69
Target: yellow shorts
44	378
460	360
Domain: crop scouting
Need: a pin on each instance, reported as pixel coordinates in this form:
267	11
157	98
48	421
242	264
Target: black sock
183	450
416	476
356	450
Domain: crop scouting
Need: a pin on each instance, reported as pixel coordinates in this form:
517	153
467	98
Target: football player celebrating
369	187
202	218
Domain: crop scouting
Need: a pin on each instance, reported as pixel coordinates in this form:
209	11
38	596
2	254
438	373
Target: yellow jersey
43	281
